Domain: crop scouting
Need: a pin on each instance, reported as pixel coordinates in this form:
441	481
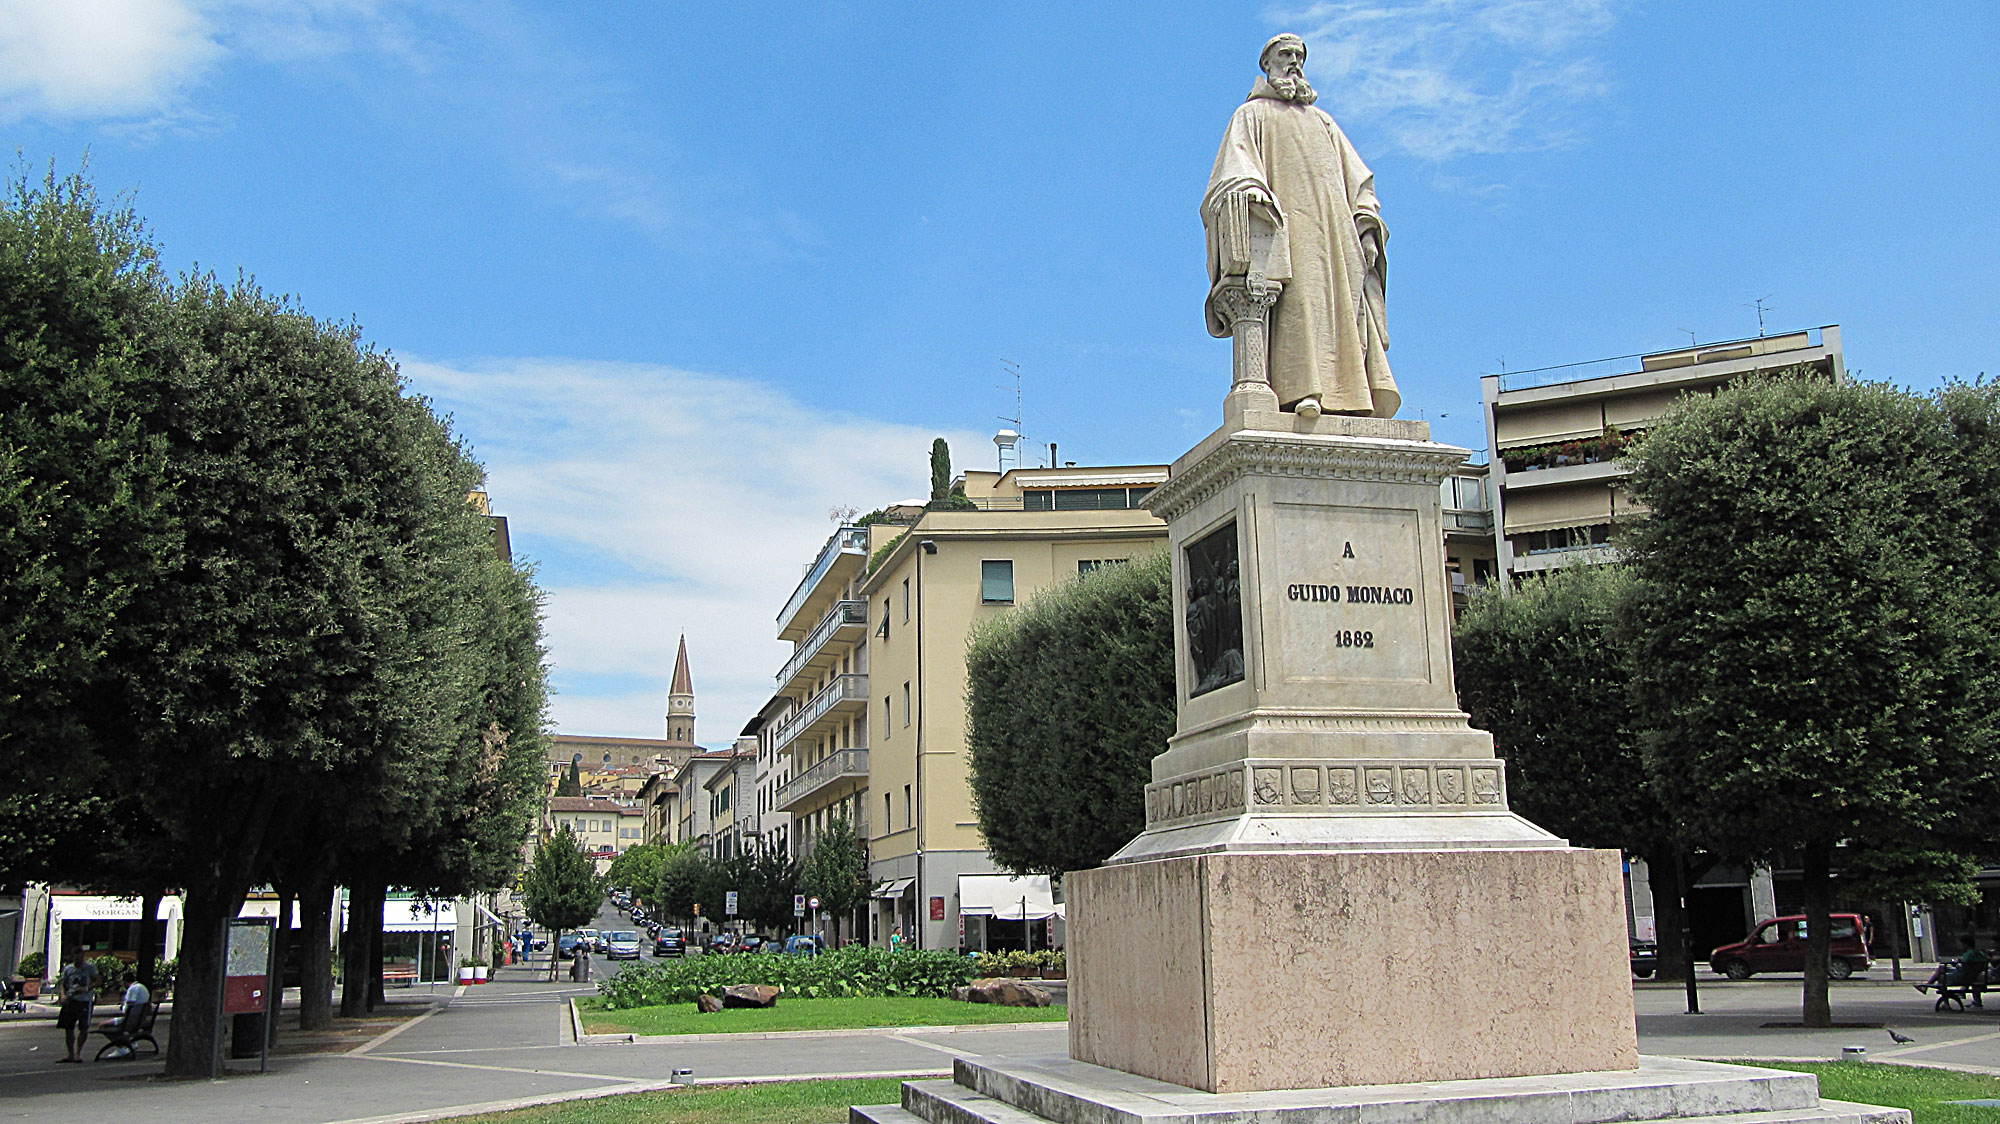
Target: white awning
1006	897
894	888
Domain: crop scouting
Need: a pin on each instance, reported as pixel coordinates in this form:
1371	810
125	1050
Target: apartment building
923	590
732	810
1554	436
696	822
604	825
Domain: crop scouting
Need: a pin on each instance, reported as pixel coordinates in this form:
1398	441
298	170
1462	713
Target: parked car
621	944
593	939
1645	959
668	942
1779	945
568	943
803	945
722	942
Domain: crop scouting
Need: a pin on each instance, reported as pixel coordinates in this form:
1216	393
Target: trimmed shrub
842	973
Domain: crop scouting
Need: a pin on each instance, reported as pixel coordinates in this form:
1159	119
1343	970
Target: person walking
78	987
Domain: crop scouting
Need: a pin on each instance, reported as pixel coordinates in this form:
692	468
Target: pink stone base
1245	972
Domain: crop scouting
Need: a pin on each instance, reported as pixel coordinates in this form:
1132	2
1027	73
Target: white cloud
1449	78
137	58
664	501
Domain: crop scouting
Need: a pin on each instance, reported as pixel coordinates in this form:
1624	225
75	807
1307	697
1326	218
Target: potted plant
1021	965
29	972
465	970
1055	966
479	971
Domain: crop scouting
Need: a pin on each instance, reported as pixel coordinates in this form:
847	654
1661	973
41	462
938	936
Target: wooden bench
400	973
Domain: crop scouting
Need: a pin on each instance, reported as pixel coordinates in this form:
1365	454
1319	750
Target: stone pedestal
1330	889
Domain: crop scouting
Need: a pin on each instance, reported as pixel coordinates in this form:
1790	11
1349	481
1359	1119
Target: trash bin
246	1035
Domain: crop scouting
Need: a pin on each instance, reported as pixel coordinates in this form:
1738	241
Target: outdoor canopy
1003	896
894	888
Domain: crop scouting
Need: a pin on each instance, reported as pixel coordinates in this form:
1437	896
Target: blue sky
688	276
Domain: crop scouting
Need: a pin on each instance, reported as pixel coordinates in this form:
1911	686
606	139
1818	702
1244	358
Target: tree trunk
315	953
196	1034
1817	863
149	950
356	947
375	995
1668	916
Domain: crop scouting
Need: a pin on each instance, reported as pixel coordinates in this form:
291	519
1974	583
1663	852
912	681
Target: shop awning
894	888
1006	897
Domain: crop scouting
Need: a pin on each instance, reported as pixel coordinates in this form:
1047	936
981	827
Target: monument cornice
1301	456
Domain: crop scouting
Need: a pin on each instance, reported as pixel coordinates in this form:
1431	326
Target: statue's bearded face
1285	67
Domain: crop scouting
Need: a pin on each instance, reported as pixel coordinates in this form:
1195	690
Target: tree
1547	668
940	471
766	879
685	877
836	872
1070	698
561	889
570	783
1814	635
637	869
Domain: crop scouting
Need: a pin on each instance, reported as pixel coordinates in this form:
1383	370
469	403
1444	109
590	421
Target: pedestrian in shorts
78	986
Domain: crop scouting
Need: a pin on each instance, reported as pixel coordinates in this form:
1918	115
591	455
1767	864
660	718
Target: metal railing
847	540
840	689
834	767
1459	520
1633	363
842	613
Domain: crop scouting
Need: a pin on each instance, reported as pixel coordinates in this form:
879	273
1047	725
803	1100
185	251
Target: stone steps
1661	1091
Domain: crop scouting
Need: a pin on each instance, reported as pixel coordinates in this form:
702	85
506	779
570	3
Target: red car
1779	945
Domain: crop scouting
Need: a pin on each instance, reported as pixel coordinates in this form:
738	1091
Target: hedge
841	973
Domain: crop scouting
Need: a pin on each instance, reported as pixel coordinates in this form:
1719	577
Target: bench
126	1033
401	974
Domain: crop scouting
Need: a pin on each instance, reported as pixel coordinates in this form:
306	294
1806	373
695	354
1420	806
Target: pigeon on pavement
1901	1039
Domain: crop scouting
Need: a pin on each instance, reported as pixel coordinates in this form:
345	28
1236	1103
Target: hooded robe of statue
1329	335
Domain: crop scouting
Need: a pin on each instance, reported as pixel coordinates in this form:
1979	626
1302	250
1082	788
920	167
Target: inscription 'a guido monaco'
1353	594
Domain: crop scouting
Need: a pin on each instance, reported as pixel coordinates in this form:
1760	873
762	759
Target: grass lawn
793	1102
807	1014
1922	1091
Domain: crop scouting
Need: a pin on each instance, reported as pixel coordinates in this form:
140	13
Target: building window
909	808
883	632
1092	565
1083	499
1563	538
906	702
885	718
888	823
996	581
906	600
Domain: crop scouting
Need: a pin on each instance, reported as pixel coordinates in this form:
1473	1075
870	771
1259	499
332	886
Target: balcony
845	551
1475	522
839	774
847	621
843	695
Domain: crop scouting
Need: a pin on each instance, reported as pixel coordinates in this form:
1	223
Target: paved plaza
511	1042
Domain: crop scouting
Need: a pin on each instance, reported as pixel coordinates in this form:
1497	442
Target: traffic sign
729	903
798	905
813	903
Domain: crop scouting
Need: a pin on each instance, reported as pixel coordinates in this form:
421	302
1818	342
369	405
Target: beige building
731	795
1554	436
925	589
605	825
696	822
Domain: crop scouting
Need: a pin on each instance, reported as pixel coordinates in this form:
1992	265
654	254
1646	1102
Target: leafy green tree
1547	668
686	876
570	783
561	889
1070	698
835	871
766	879
637	869
1814	630
80	331
940	471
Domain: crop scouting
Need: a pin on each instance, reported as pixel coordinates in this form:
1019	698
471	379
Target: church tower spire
680	699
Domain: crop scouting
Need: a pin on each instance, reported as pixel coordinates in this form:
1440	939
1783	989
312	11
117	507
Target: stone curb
629	1038
448	1112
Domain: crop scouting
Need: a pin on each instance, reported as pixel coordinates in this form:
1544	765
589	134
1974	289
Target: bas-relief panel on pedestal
1394	787
1214	611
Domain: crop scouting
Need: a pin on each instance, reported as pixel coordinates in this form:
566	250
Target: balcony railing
842	692
1476	521
844	614
847	540
1662	360
847	764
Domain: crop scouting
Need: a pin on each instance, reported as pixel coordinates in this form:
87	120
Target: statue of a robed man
1291	210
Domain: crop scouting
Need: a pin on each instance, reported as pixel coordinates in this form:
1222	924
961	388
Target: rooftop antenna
1762	305
1008	440
1691	337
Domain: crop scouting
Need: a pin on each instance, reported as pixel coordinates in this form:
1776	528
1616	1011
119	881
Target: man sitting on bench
131	1017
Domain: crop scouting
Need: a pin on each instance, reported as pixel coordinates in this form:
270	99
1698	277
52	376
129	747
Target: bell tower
680	699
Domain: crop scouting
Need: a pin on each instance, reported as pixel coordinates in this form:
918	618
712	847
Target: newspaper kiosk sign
246	976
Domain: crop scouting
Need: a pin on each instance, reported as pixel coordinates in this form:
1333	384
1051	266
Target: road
510	1042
